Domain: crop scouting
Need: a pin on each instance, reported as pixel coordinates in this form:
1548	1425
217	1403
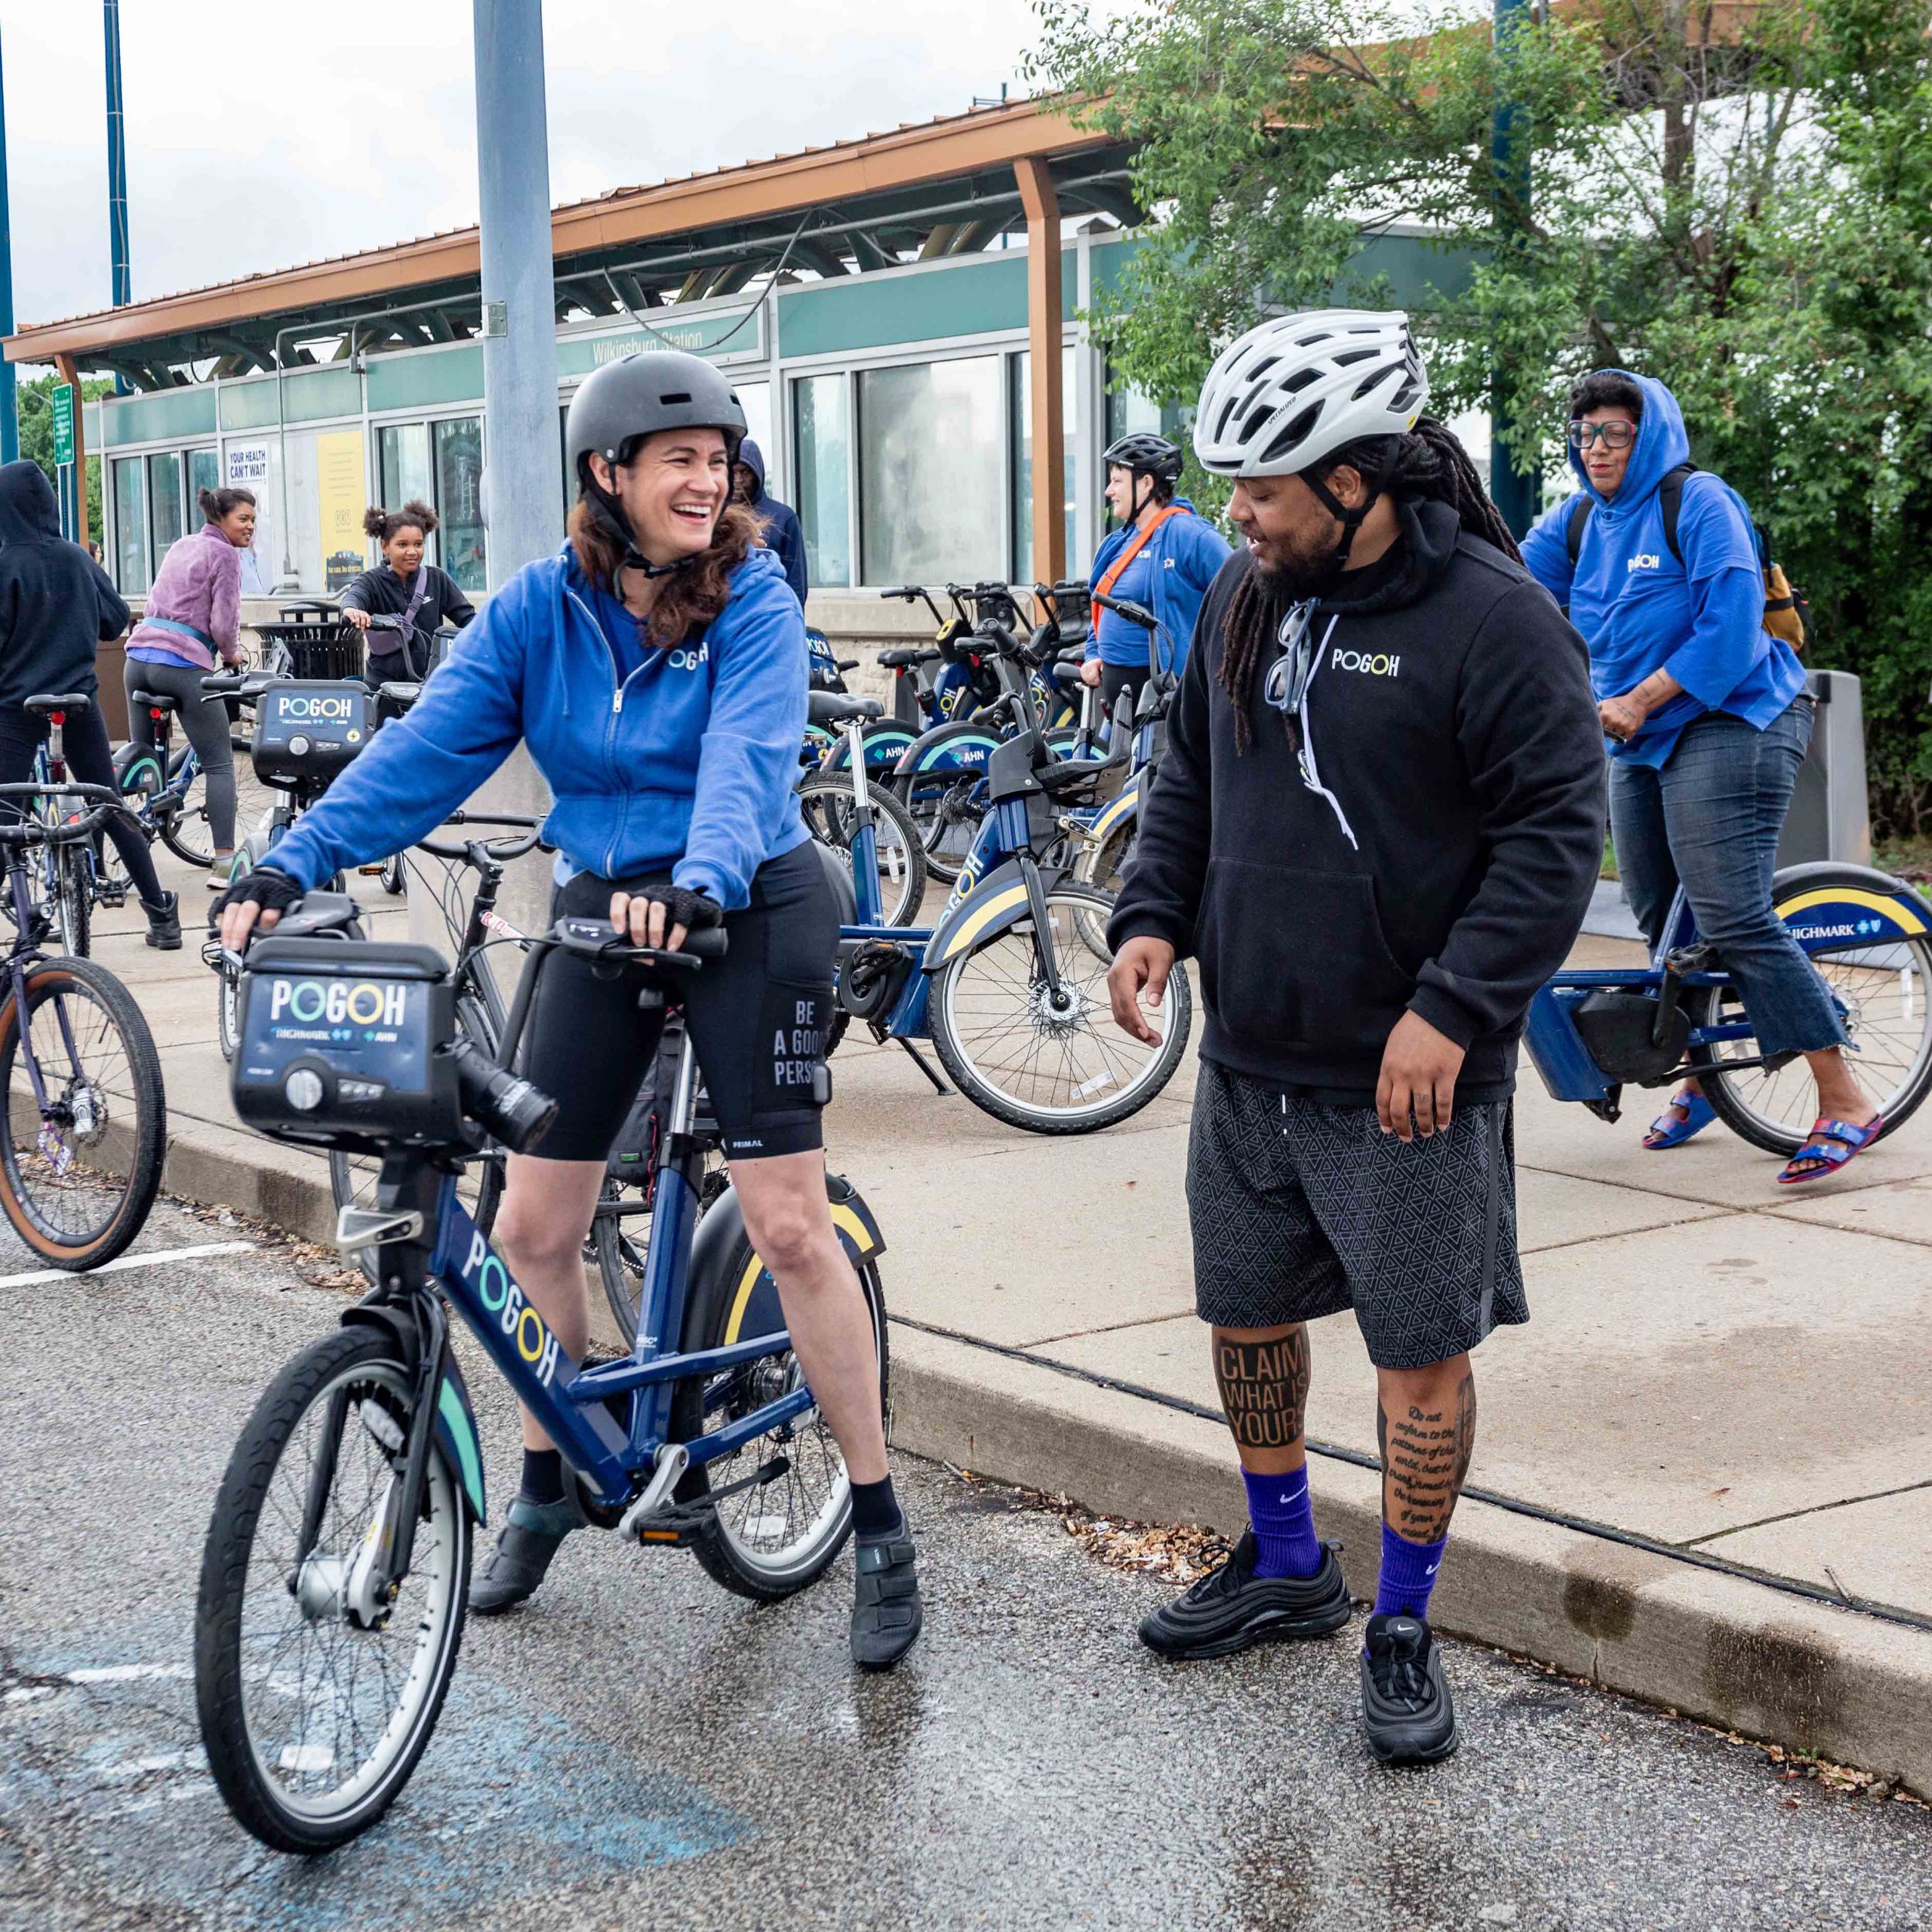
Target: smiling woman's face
1604	465
672	490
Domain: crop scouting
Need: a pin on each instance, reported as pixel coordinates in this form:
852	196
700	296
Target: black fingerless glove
693	911
273	891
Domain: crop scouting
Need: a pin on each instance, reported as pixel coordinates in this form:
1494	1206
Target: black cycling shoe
1406	1714
887	1612
1233	1607
164	923
533	1533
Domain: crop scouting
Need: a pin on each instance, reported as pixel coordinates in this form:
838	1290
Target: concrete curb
1734	1653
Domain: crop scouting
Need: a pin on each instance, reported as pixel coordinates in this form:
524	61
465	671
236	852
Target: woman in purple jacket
193	614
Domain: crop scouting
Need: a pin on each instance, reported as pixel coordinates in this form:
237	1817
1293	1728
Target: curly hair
382	525
1427	464
690	599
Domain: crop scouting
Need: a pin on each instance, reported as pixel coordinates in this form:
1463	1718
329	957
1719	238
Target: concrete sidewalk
1717	1421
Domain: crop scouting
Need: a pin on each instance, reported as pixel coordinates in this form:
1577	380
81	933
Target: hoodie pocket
1298	958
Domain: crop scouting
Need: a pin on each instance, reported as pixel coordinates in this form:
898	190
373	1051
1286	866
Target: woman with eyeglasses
1707	720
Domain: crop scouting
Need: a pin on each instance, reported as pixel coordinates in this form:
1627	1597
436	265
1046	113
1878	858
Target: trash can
1830	816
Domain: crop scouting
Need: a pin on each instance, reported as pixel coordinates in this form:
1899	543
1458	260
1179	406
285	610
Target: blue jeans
1709	818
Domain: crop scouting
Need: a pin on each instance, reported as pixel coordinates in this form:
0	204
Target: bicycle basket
341	1044
325	648
306	731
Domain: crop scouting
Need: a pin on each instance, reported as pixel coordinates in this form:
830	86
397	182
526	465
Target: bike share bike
86	1123
335	1578
1591	1033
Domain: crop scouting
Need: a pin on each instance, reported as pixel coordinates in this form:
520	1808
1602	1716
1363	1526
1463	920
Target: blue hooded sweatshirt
683	762
1170	575
782	533
1640	611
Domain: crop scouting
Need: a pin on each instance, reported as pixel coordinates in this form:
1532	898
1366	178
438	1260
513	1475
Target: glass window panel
402	469
1021	416
822	470
164	501
1130	412
130	528
756	399
931	452
204	473
459	460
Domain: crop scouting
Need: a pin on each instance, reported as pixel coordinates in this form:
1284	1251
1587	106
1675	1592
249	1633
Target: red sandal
1834	1142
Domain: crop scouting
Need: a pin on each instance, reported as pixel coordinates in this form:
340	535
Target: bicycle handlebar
27	831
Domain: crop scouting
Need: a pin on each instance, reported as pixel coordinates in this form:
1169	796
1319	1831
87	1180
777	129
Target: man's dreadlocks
1427	464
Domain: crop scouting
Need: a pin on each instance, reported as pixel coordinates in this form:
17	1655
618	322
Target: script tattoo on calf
1264	1389
1425	1457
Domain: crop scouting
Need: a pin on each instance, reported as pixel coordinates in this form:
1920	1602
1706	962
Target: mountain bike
335	1575
66	873
87	1122
1591	1032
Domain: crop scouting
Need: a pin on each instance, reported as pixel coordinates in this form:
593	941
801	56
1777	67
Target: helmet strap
1351	520
609	512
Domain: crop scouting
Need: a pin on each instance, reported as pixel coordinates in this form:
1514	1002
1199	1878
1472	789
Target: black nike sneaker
1233	1607
1407	1714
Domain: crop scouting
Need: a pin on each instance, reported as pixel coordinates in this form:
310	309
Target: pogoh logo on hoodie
681	660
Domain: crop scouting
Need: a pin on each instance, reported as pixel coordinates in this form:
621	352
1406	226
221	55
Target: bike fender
961	747
1118	810
998	901
721	1247
456	1420
1826	903
886	741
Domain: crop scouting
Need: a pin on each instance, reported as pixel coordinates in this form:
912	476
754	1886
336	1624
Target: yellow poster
339	495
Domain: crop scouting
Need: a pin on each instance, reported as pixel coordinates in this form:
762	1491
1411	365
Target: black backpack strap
1572	531
1670	500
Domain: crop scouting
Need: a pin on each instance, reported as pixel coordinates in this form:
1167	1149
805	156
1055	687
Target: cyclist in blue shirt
656	669
1707	720
1164	556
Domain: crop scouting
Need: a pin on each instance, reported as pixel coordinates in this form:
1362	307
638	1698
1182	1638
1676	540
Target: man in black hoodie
57	606
1377	826
781	533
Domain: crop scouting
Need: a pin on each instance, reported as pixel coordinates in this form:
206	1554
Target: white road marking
130	1261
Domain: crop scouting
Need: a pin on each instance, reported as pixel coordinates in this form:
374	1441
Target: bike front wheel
316	1702
82	1161
1052	1063
73	900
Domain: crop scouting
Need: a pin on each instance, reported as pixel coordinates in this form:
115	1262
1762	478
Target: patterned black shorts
1300	1211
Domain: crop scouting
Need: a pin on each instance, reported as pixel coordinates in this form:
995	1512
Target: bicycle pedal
672	1461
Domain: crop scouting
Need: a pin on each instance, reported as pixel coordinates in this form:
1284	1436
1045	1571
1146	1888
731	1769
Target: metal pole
10	423
117	169
519	287
1515	490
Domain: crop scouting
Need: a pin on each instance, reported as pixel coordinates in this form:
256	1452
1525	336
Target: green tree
35	400
1739	204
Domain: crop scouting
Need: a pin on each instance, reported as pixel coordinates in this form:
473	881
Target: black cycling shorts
758	1020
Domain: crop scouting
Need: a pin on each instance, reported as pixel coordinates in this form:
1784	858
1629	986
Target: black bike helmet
620	404
1146	455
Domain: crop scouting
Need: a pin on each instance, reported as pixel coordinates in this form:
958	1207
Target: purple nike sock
1283	1521
1408	1575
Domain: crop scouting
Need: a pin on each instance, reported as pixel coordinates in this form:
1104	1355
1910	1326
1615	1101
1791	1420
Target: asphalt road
638	1749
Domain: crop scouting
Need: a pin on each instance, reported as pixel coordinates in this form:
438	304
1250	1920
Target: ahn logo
1644	560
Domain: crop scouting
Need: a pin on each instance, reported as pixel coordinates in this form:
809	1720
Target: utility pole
522	512
10	421
117	167
1516	491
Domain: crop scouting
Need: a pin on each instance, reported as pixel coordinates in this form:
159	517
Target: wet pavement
638	1749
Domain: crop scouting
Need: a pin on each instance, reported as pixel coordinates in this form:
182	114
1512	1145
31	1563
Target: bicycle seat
829	708
901	660
400	692
155	701
44	702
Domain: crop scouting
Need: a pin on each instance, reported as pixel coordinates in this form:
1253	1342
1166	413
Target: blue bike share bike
335	1574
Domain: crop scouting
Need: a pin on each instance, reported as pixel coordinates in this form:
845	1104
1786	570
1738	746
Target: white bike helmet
1298	387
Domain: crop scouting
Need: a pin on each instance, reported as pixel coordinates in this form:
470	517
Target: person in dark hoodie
779	521
57	606
1376	827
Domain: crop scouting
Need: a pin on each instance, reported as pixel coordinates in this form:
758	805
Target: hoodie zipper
618	687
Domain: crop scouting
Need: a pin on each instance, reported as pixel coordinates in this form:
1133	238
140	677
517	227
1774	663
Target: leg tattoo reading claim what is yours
1264	1388
1425	1456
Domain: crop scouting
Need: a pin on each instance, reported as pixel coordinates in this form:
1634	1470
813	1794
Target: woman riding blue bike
656	668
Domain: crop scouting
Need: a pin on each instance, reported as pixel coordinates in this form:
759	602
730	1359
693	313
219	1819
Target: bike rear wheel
1064	1068
315	1704
774	1536
184	825
73	900
79	1175
943	806
830	809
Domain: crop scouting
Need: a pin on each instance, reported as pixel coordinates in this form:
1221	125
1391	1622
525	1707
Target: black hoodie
1450	717
56	604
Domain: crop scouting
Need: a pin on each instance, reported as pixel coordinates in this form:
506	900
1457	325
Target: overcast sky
260	136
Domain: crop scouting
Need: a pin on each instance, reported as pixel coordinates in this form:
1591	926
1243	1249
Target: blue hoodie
1640	611
686	764
782	534
1171	576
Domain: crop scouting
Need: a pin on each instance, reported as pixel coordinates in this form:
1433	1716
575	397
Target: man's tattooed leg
1426	1425
1262	1375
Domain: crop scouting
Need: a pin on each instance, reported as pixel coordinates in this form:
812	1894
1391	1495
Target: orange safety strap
1117	568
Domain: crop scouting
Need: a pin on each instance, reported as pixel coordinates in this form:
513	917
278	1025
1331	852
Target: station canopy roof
937	188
